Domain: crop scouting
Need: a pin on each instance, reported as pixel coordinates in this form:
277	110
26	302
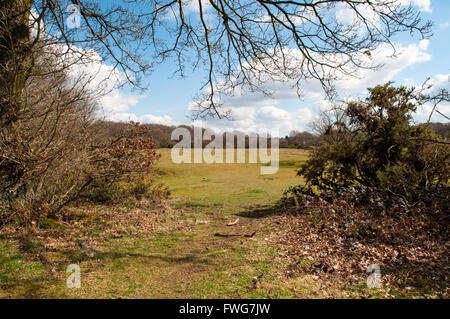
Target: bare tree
57	148
44	150
51	142
238	42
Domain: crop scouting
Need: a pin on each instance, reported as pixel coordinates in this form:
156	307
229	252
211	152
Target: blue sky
167	98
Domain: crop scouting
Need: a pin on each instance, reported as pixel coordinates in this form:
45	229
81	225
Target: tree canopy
238	42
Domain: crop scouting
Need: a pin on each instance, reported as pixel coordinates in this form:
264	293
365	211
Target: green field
233	185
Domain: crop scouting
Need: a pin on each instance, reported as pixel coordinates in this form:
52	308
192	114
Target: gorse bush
375	143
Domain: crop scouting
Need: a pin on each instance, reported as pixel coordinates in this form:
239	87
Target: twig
235	235
233	223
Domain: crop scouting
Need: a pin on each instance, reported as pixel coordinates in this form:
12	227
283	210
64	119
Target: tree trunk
16	62
16	59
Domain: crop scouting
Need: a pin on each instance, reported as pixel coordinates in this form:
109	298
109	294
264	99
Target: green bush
375	143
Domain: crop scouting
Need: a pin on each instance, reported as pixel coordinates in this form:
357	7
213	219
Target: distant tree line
296	139
161	134
441	129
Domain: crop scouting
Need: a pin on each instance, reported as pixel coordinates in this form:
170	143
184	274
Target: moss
79	215
50	223
83	216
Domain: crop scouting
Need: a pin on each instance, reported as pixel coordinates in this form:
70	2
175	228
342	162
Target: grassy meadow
234	184
189	250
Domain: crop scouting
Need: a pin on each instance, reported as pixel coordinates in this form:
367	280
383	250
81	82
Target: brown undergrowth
337	237
70	236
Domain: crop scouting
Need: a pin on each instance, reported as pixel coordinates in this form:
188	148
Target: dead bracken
339	236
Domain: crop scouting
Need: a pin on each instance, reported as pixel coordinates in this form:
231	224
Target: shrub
375	143
56	149
126	157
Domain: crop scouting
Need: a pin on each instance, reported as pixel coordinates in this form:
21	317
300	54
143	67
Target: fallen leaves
342	236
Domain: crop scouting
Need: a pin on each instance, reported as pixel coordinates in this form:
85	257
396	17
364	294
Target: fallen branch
235	235
233	223
91	251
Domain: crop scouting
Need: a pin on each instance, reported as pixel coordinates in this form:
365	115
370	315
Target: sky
168	99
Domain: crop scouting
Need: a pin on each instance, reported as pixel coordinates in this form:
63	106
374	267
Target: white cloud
117	102
440	81
423	44
252	119
444	25
405	57
87	70
150	118
348	16
251	111
145	118
424	5
103	83
116	106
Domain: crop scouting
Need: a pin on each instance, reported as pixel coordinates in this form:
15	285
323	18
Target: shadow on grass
15	282
28	288
82	255
19	279
191	258
260	212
